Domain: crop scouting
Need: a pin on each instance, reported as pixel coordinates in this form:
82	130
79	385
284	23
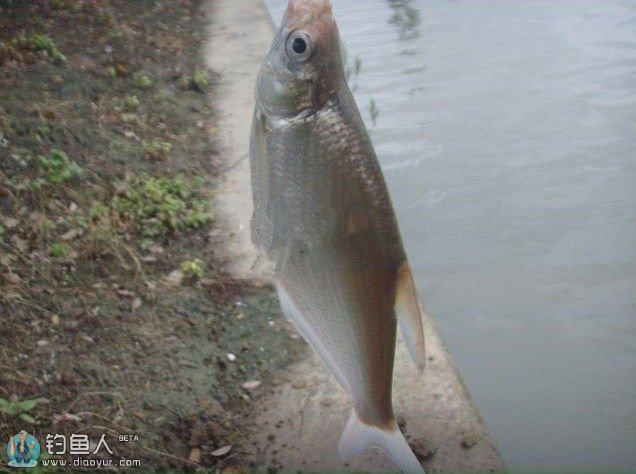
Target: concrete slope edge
297	424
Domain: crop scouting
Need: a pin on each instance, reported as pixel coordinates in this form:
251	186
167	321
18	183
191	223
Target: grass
60	249
132	103
40	43
157	149
142	80
19	409
192	269
198	81
373	111
157	206
58	167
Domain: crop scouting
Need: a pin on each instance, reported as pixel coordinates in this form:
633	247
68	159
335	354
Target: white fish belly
344	309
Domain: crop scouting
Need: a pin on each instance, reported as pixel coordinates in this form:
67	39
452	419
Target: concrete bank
298	424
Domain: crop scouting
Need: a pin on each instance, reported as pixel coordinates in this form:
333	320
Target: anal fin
409	314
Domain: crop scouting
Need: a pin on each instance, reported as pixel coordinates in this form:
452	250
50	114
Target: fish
323	215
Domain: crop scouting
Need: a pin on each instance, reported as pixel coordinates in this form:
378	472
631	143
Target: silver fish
323	214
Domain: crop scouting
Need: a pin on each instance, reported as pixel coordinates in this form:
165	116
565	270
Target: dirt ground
117	315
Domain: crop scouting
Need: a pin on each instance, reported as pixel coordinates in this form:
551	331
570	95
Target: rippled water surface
507	134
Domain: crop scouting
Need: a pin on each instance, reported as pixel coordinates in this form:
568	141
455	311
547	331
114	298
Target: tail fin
358	436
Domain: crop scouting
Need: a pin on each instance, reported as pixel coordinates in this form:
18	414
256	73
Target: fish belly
343	306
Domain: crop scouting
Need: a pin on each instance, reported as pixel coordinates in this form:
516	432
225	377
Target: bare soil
103	331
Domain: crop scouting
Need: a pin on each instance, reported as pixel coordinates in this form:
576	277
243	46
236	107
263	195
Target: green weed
192	269
42	43
19	409
59	167
142	80
373	111
128	118
198	81
201	78
131	103
60	249
156	206
157	149
115	33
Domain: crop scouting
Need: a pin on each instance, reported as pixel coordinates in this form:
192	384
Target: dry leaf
6	259
195	455
221	451
10	222
19	243
156	248
11	278
119	416
66	417
71	234
251	385
10	294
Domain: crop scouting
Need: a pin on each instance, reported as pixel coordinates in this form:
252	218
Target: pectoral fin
296	317
409	314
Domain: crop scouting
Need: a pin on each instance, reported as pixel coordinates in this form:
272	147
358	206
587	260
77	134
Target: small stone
422	449
231	357
175	278
469	441
136	303
401	421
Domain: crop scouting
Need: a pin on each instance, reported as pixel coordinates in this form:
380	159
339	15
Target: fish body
322	213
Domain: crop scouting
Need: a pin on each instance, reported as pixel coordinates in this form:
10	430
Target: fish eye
299	46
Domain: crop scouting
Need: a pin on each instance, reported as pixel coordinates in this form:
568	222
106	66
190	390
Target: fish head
303	67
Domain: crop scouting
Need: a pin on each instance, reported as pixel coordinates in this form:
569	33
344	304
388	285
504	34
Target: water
507	133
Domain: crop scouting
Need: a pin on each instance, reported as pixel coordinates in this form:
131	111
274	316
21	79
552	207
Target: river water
507	135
